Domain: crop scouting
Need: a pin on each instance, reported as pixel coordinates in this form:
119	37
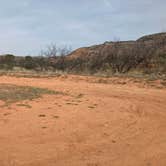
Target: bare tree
64	50
50	51
53	50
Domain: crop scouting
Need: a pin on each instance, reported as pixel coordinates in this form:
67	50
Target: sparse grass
79	101
42	115
72	103
91	107
6	114
24	105
12	93
55	116
80	95
44	127
30	74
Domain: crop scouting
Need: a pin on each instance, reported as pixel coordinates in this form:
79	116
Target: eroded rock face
150	41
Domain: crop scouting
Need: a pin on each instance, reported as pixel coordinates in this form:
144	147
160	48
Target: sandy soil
92	124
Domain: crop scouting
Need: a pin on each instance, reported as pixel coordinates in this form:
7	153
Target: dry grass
12	93
24	105
30	74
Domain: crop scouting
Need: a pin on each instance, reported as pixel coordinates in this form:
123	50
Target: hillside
159	39
146	53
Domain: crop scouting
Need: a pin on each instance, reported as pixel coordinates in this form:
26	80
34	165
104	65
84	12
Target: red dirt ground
92	124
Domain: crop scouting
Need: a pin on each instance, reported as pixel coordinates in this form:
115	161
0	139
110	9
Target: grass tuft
13	93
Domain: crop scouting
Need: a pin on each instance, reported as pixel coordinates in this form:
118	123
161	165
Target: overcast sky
26	26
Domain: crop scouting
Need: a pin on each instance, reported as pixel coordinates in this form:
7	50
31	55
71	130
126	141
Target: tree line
116	57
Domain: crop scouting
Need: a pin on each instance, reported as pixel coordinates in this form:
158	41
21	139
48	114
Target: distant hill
147	55
158	39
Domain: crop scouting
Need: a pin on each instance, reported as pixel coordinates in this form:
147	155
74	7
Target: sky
27	26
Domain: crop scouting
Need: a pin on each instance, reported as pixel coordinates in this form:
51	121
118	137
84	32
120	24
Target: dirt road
90	124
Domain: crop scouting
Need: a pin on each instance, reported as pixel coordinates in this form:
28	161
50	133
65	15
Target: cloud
107	3
28	25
